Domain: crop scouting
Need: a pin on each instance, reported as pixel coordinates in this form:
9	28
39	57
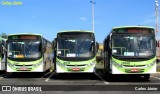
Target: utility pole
157	16
157	30
92	14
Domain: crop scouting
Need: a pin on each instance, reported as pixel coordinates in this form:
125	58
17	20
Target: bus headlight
11	65
92	63
39	63
60	64
151	64
116	64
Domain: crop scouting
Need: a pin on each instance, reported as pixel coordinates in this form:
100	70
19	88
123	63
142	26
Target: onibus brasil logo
11	2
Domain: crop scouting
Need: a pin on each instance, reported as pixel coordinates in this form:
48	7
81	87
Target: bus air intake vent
23	65
77	65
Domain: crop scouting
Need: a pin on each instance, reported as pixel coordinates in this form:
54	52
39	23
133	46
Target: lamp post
157	16
92	14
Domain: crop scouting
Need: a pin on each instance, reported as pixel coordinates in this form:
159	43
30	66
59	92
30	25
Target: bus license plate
23	68
134	70
75	69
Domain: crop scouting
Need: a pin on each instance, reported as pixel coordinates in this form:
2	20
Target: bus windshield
24	49
75	47
125	45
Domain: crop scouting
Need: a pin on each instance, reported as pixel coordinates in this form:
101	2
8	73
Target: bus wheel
2	72
146	76
15	73
108	76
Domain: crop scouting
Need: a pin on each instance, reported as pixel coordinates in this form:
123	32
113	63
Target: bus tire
15	73
2	72
108	76
146	76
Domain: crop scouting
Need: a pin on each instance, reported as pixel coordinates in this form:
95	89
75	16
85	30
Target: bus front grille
23	65
134	65
23	69
77	65
129	71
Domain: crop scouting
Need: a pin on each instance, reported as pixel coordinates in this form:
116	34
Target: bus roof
133	26
76	31
25	34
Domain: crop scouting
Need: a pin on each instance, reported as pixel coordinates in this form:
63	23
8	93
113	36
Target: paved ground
81	83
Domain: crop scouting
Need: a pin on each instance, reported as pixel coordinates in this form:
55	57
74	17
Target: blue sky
47	17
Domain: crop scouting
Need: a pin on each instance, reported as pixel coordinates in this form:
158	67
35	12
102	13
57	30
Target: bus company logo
16	63
67	63
126	63
6	88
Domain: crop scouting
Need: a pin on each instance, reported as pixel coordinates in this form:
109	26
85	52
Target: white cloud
83	18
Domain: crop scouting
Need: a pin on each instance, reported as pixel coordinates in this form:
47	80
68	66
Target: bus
75	52
130	50
28	53
2	54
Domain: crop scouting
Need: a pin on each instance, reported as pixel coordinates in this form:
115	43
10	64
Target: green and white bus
28	53
130	50
75	52
3	57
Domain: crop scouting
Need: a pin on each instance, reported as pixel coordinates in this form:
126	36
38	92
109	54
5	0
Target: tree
3	35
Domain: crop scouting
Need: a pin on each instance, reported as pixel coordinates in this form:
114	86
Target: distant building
99	54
